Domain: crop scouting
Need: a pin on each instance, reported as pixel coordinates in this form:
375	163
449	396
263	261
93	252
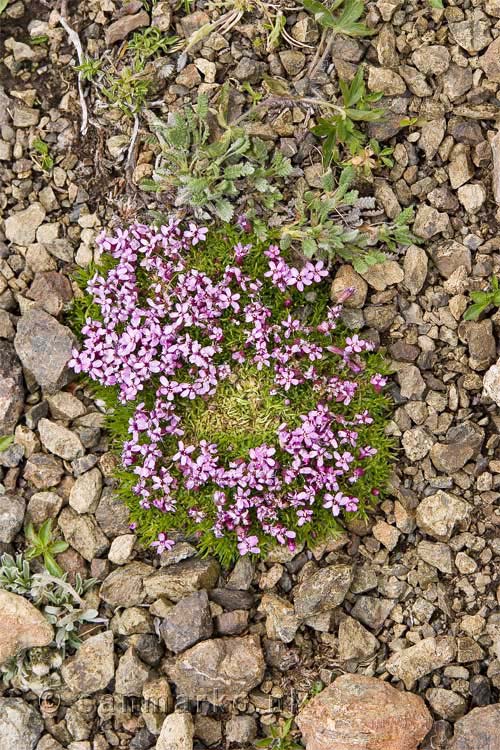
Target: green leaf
51	565
494	283
437	4
320	12
57	547
30	534
224	210
482	298
3	5
5	441
473	312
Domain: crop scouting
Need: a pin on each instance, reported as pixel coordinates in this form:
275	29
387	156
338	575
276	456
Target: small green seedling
42	159
42	544
5	441
89	68
279	738
345	22
482	300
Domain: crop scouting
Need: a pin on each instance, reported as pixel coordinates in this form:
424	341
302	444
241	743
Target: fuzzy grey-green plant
321	228
210	176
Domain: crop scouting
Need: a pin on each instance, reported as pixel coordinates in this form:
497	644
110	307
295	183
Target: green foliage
89	68
42	158
321	233
244	412
436	4
60	602
3	5
345	21
209	175
149	43
482	300
340	128
279	738
42	544
370	158
5	441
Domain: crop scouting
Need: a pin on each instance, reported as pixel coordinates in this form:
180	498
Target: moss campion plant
242	415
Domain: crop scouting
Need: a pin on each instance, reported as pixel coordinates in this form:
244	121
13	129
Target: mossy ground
244	412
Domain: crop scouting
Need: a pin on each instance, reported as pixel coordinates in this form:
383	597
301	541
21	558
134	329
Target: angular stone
176	581
112	514
52	291
187	623
22	626
446	703
12	509
64	405
44	347
491	383
473	34
482	344
472	197
372	611
440	514
20	724
412	384
131	674
59	440
347	278
86	491
43	505
219	670
355	641
121	28
323	590
417	443
125	587
415	265
83	533
121	549
436	554
177	732
386	81
281	621
451	255
20	228
479	730
424	657
363	713
433	59
92	667
43	471
11	389
429	222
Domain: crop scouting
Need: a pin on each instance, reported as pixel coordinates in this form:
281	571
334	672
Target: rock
415	268
436	554
293	61
43	505
12	509
281	621
20	724
446	703
451	255
412	384
22	626
59	440
385	274
417	443
92	667
20	228
187	623
44	347
355	642
440	514
176	733
131	674
372	611
121	549
431	136
323	590
495	151
219	670
491	383
482	344
11	389
121	28
157	703
429	222
125	587
347	278
457	81
473	34
249	70
176	581
460	169
364	713
43	471
193	22
425	656
463	441
112	514
386	534
83	533
52	291
86	491
415	81
479	730
232	623
386	81
432	60
472	197
64	406
241	730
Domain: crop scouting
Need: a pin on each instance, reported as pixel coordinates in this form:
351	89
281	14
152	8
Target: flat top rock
92	667
323	590
22	626
44	347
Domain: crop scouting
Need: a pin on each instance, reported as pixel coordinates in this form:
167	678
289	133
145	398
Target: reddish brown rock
22	626
363	713
479	730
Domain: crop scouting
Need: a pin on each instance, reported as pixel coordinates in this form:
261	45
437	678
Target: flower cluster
168	334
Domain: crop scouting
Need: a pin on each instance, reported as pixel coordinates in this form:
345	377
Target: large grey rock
355	641
425	656
12	509
125	587
44	347
92	667
187	623
440	514
131	674
21	626
478	730
20	228
219	670
20	724
82	532
112	514
176	581
177	732
11	389
59	440
363	713
323	590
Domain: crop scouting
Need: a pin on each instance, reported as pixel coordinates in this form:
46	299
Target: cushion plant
243	416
